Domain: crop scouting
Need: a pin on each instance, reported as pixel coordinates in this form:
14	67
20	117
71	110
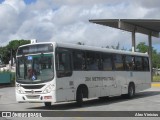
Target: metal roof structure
144	26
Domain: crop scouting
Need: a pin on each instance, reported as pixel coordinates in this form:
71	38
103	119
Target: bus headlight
19	89
48	89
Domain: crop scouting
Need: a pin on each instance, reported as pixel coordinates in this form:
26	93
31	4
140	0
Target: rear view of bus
35	73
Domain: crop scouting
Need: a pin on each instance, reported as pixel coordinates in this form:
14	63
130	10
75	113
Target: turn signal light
47	97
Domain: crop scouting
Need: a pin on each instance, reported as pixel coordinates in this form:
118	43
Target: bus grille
33	96
32	86
32	92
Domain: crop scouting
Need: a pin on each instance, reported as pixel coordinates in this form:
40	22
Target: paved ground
148	100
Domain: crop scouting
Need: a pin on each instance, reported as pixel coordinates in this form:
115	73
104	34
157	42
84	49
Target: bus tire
131	90
47	104
79	97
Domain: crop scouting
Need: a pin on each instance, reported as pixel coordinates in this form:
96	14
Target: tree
80	43
117	47
4	55
142	47
107	46
156	60
13	45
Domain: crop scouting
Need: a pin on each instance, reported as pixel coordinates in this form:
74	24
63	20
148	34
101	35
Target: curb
155	84
6	85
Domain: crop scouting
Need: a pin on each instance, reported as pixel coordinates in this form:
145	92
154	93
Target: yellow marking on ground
155	85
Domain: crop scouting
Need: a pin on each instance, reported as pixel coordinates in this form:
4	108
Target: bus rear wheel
131	91
79	97
47	104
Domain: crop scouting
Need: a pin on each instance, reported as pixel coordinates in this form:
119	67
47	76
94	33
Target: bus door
64	81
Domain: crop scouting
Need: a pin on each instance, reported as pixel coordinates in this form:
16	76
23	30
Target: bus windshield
35	68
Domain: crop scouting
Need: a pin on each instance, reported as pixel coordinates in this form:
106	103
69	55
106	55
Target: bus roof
91	48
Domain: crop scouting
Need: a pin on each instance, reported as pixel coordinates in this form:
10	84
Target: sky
68	21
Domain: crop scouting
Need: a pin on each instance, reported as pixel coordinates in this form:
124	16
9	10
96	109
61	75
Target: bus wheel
131	91
79	97
47	104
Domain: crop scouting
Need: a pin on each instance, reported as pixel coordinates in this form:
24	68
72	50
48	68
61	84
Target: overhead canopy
144	26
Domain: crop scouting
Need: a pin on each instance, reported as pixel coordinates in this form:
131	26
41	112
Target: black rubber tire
131	91
79	97
47	104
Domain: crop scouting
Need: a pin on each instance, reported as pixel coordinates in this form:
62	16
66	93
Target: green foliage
156	60
13	45
156	78
142	47
5	71
13	77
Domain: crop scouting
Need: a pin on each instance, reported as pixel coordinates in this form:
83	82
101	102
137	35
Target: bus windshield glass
35	68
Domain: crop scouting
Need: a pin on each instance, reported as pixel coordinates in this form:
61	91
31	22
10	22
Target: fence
5	77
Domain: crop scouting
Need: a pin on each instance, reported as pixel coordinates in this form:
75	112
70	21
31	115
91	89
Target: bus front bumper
35	97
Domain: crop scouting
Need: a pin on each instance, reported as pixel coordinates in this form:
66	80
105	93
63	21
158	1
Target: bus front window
35	68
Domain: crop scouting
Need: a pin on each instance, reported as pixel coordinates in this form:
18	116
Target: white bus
58	72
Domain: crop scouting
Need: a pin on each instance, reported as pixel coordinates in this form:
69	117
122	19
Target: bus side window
93	61
118	62
138	63
129	63
78	60
145	64
63	64
107	62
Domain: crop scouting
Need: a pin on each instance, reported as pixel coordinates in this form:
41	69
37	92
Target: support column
150	53
133	41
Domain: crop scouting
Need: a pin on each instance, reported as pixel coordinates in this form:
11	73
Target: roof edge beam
147	32
125	26
131	28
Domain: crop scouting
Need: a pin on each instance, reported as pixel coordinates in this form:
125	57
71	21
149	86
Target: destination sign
38	48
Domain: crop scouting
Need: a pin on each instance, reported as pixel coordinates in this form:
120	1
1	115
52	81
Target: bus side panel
147	82
123	78
107	83
139	79
93	82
